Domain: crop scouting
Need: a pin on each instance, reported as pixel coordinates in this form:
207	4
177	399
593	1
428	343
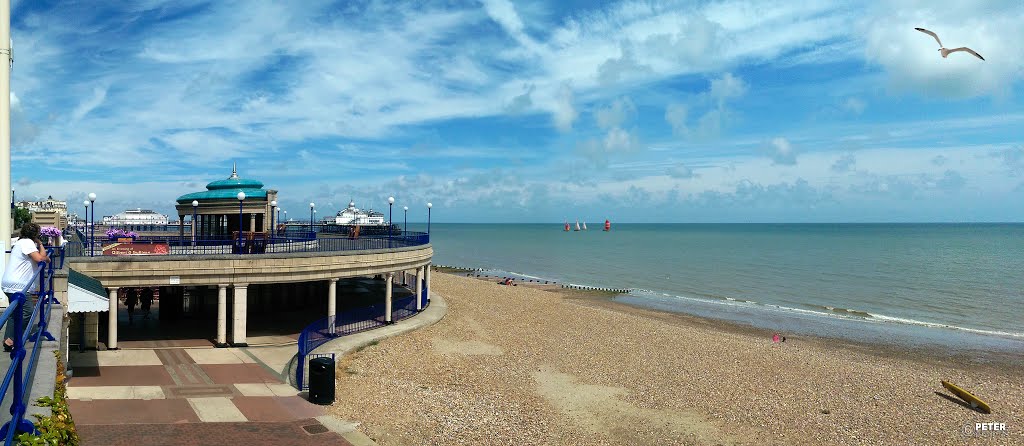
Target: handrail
350	322
19	375
271	244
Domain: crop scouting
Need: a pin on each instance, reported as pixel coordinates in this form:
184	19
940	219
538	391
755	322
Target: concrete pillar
252	222
387	297
222	315
112	320
332	304
241	298
419	288
181	226
427	273
92	330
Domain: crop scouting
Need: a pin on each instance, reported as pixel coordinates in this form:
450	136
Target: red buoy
607	225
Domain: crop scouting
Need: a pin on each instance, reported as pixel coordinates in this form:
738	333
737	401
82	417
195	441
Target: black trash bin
321	380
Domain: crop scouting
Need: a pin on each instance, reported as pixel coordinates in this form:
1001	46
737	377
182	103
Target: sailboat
577	226
607	225
584	225
567	225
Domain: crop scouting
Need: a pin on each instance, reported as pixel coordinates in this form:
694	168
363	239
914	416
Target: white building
353	216
49	204
135	216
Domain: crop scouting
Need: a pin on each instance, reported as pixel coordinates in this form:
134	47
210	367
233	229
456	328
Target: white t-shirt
20	268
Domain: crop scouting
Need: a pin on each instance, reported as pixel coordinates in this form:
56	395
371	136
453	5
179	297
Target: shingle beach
524	366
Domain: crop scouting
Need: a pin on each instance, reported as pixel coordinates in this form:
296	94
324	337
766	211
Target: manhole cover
314	429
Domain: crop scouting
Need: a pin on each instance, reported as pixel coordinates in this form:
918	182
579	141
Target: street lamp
241	198
92	203
86	203
429	205
391	201
406	227
312	234
273	213
195	206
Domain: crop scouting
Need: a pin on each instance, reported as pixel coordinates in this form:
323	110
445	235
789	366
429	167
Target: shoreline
517	365
933	341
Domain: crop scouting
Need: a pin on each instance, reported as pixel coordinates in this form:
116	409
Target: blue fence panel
18	378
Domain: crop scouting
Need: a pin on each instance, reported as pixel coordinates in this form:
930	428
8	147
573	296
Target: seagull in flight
945	52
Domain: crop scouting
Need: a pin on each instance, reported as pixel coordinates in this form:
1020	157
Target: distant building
135	216
60	207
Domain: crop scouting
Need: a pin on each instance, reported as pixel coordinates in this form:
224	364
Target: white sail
584	226
577	225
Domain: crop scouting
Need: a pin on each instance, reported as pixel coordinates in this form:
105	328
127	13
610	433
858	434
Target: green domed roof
227	189
234	183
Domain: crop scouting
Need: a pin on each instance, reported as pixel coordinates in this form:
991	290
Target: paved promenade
161	395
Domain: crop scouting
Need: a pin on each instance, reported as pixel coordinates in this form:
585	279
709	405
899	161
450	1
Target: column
332	296
92	330
387	297
252	222
427	273
181	226
419	288
222	315
112	320
238	324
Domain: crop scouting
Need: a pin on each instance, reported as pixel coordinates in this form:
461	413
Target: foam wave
833	313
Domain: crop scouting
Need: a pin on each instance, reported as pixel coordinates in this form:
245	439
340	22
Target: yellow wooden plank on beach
975	402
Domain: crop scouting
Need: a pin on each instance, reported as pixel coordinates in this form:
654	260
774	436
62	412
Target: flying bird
945	52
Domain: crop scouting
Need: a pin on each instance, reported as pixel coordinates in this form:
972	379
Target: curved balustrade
348	322
248	244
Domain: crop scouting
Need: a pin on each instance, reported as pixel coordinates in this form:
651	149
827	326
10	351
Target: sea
958	286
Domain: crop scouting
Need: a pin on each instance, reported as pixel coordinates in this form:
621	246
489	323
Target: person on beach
26	253
775	338
130	300
146	301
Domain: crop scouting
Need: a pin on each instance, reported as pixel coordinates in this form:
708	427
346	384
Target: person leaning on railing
26	253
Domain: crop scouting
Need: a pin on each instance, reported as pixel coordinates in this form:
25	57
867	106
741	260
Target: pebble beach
527	366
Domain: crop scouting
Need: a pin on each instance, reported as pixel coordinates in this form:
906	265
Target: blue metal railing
19	376
346	323
305	242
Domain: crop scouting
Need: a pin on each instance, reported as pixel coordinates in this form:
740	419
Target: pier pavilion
233	283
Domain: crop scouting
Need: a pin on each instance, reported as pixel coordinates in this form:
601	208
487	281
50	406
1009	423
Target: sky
500	111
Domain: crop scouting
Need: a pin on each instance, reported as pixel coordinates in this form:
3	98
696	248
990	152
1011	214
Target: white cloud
615	114
782	152
565	111
676	115
680	170
99	94
845	163
855	105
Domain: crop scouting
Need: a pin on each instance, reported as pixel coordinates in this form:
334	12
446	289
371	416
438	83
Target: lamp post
86	203
241	198
405	227
391	201
92	232
195	206
273	212
311	233
429	205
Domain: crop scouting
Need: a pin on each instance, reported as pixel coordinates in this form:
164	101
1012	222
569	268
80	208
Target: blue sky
495	111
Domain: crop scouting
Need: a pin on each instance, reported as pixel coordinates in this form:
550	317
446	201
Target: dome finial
234	172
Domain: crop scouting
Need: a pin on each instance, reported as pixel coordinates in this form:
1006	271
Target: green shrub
58	429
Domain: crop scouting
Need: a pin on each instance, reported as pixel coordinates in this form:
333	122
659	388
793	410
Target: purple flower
49	231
